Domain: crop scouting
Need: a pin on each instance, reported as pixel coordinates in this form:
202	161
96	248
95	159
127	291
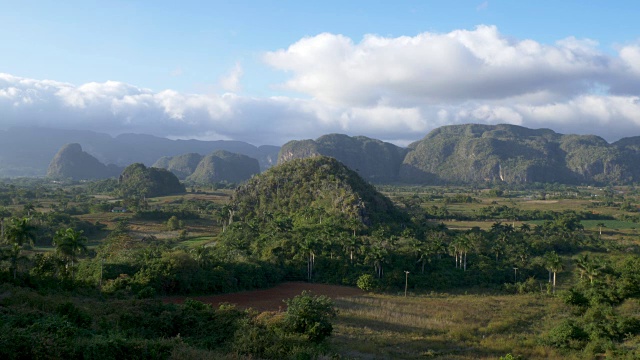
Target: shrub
567	335
366	282
310	315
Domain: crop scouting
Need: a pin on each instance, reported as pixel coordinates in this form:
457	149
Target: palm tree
3	214
600	225
525	228
582	262
28	208
202	255
350	245
554	264
20	231
69	243
593	269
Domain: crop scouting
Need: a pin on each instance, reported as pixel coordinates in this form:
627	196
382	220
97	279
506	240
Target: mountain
514	154
450	154
223	166
28	151
140	181
311	187
182	165
72	163
374	160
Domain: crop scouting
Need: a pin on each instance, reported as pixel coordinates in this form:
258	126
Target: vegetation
138	181
181	166
526	271
223	166
73	163
475	153
372	159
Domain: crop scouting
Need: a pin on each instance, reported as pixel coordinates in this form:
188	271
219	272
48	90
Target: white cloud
389	88
231	81
461	65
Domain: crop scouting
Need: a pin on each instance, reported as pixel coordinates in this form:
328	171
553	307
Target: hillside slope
72	163
514	154
374	160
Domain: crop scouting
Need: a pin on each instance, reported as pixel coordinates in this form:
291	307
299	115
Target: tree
310	315
69	243
554	264
600	225
174	224
3	214
20	231
28	208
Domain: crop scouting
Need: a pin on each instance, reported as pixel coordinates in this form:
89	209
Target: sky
267	72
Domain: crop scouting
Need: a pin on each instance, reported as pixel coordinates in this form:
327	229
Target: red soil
270	299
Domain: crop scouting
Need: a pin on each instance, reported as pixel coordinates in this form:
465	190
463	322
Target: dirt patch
270	299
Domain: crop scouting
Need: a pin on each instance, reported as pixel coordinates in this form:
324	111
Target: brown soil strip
270	299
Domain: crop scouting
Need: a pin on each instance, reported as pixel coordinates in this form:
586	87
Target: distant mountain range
28	151
471	153
219	166
455	154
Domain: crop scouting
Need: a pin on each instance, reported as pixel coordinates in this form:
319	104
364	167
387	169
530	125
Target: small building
119	210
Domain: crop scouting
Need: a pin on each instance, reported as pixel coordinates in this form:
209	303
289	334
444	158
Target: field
437	326
272	299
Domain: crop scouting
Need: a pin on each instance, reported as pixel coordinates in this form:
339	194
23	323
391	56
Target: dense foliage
73	287
140	181
59	326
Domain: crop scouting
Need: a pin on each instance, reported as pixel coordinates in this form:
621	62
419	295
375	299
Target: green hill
223	166
72	163
182	165
312	188
514	154
140	181
374	160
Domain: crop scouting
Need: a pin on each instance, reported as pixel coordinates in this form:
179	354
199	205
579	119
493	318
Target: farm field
435	326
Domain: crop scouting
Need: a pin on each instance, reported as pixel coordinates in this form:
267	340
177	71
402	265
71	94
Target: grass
198	241
446	326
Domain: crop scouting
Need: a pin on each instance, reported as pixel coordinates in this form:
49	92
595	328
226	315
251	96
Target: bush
310	315
567	335
366	282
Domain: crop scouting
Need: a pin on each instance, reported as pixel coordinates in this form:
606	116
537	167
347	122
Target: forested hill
374	160
73	163
223	166
181	166
312	190
515	154
456	154
472	153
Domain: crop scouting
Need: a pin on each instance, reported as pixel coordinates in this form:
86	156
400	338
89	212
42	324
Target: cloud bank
396	89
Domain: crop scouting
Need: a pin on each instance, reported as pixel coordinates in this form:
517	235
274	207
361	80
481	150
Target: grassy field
446	326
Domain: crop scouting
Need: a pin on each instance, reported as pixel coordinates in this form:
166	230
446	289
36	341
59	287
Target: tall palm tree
69	243
582	262
554	264
3	214
20	231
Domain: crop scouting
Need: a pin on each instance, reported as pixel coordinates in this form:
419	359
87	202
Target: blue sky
269	71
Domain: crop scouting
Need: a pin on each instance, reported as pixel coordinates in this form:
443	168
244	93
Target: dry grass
445	327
